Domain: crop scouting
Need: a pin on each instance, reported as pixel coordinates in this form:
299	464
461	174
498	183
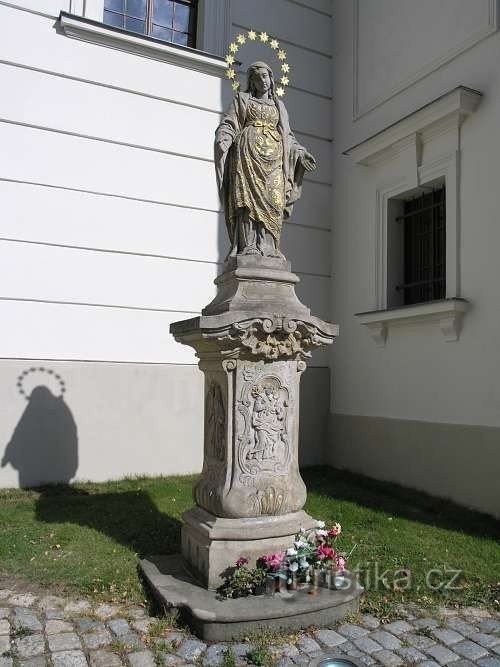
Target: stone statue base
218	620
211	544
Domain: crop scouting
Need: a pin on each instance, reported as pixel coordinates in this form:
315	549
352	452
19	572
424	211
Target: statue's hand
308	161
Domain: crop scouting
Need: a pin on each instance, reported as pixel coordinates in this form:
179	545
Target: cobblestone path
51	631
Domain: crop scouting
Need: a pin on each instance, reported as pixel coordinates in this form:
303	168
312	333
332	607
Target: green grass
86	539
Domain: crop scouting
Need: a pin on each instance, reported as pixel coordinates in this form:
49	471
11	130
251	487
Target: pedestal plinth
253	341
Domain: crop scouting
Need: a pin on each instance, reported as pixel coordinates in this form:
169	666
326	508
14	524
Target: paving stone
5	593
448	637
461	626
4	644
67	641
352	631
214	655
22	600
78	607
330	638
98	639
347	646
496	649
426	622
41	661
50	602
487	640
447	612
55	614
385	639
283	662
488	625
411	654
475	614
301	659
143	624
141	659
105	611
370	621
419	641
308	645
26	619
367	645
4	627
4	612
191	649
240	650
169	660
89	625
442	654
367	659
389	659
287	650
463	663
131	640
429	663
69	659
119	626
104	659
135	612
398	627
490	661
470	650
28	647
6	662
56	627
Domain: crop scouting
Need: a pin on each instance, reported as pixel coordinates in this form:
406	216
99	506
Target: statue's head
260	79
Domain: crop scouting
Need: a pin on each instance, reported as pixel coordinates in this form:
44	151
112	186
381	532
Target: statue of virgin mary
259	166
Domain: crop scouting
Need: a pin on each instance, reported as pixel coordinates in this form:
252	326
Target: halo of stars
264	38
39	369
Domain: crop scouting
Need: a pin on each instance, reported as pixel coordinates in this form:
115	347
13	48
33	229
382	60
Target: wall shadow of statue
44	445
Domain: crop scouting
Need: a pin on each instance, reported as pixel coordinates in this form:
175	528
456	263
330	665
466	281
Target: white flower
302	529
320	524
304	564
321	533
288	581
308	578
300	543
293	567
291	552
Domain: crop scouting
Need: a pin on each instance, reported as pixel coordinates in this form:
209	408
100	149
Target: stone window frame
213	32
402	149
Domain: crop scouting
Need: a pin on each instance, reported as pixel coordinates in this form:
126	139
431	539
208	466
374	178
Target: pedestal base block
211	545
222	620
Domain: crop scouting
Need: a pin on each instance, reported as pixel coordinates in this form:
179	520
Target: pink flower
325	552
242	560
335	530
340	563
272	562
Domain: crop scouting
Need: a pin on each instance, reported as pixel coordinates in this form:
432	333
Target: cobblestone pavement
51	631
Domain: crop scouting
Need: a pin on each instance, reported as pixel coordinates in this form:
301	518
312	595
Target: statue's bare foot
250	250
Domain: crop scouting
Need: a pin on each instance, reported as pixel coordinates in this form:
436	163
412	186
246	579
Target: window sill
448	313
149	47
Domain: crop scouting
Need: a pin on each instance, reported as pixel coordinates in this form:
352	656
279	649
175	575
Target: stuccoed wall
111	228
419	411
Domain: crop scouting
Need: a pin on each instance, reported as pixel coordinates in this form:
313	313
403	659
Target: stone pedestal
252	341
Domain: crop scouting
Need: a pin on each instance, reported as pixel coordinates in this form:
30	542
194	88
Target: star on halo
230	73
264	37
229	60
284	80
285	67
252	35
274	43
235	85
241	39
280	91
233	47
282	55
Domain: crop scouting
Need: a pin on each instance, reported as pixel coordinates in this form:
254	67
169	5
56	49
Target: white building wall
111	227
419	411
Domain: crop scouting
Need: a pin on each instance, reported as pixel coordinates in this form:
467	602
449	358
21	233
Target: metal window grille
168	20
424	220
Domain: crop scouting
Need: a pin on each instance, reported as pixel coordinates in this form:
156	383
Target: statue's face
261	80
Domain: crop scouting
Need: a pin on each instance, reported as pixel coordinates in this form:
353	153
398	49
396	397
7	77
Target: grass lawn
86	539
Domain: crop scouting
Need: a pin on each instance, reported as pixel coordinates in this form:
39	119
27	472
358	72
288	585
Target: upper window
168	20
424	247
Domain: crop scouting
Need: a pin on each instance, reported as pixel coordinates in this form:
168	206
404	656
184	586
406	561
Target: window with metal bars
424	243
168	20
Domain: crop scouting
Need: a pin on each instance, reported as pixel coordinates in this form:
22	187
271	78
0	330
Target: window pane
135	26
113	19
163	12
136	8
181	18
114	5
162	33
181	38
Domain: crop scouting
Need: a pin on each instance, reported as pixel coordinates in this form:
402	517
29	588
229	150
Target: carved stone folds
252	357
